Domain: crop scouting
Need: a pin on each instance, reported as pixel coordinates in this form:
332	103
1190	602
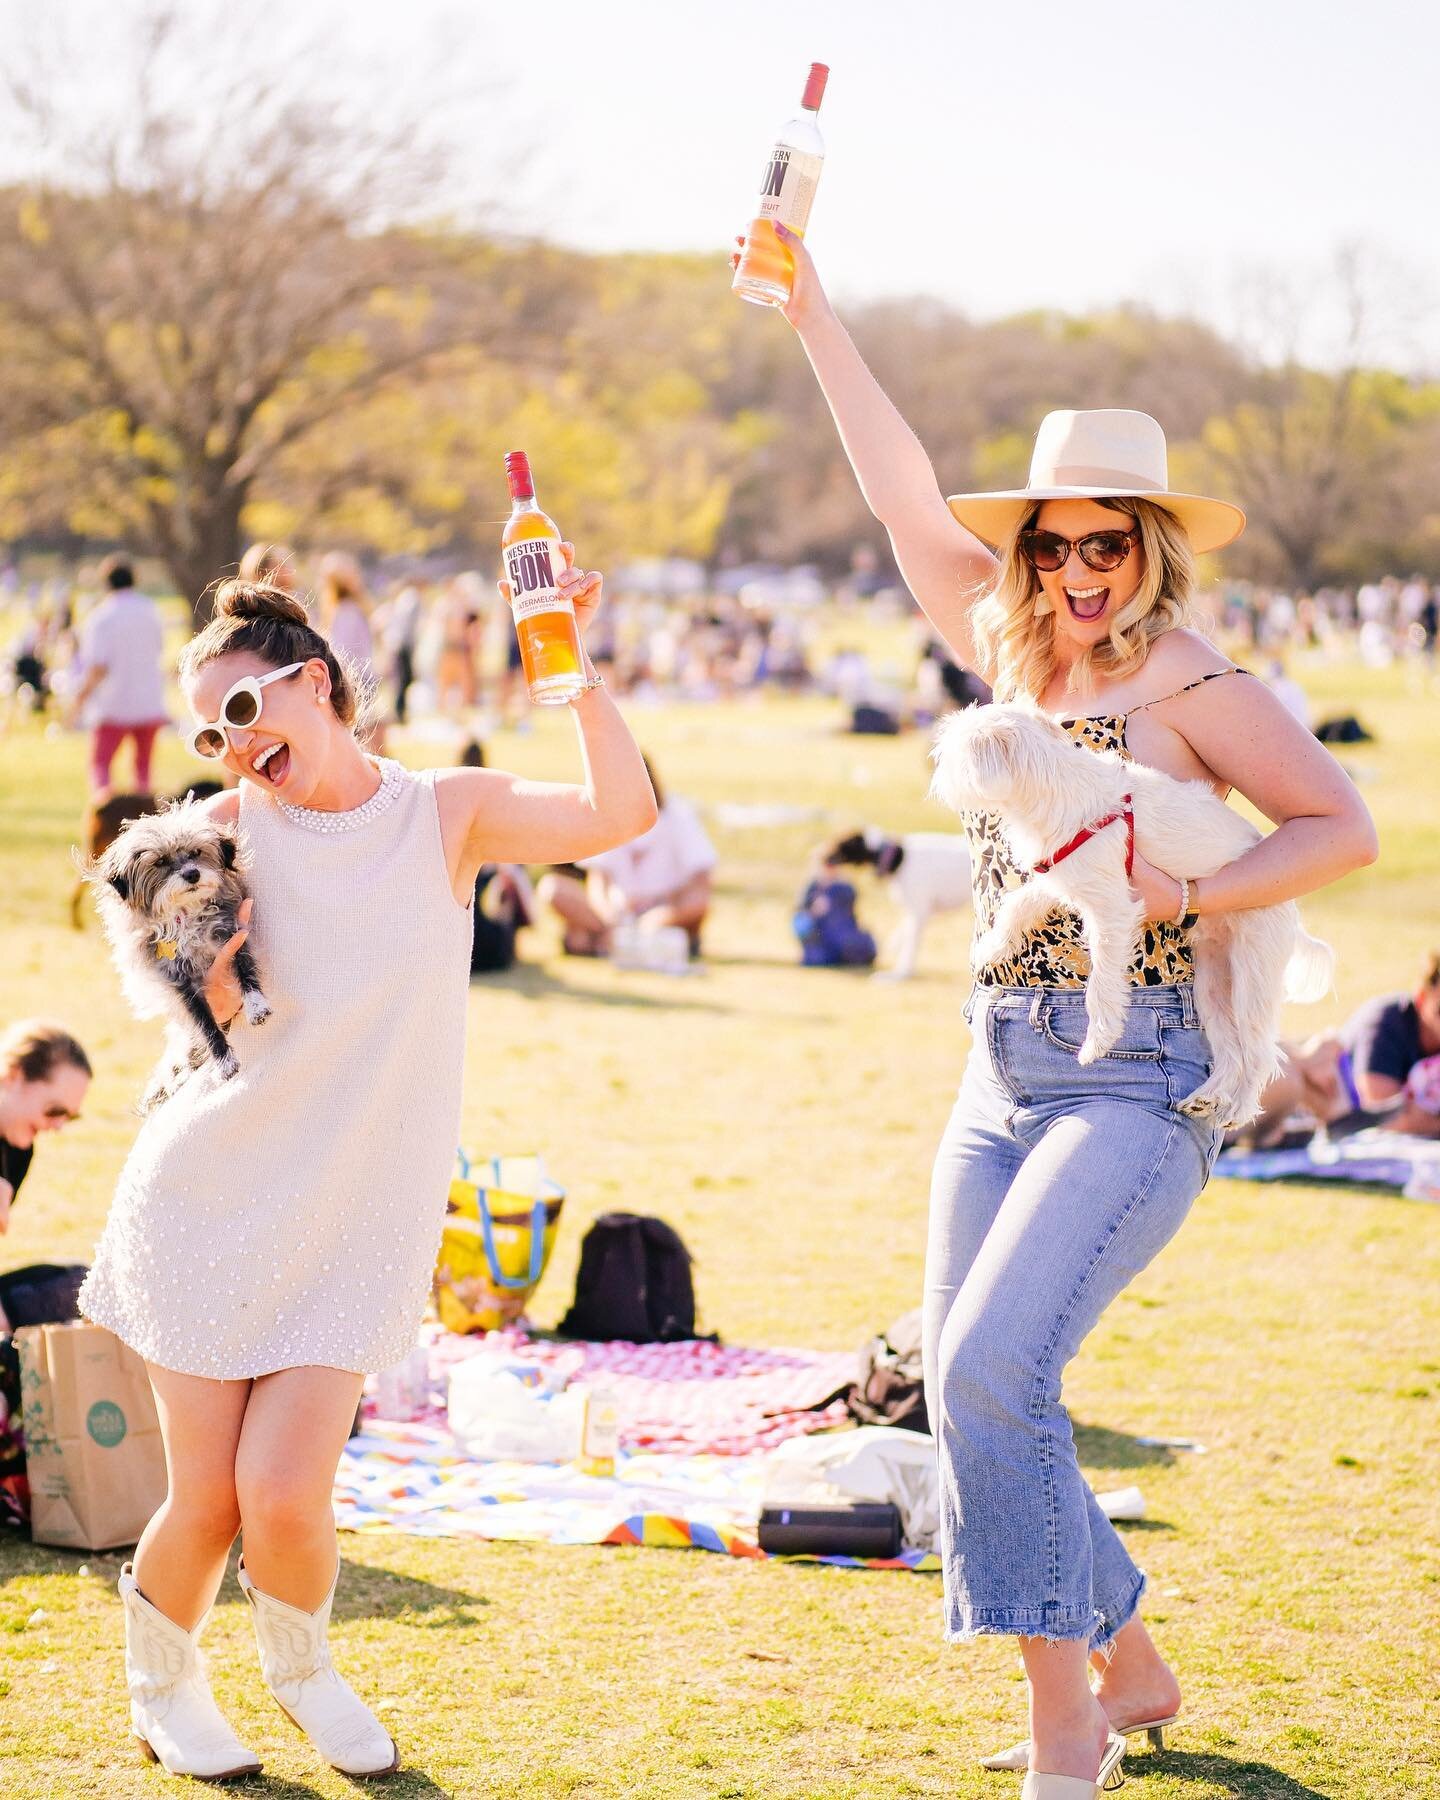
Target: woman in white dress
272	1236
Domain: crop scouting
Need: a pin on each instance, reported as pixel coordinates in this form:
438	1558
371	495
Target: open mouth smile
272	764
1087	604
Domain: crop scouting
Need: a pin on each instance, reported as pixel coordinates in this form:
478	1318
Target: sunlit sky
999	157
1030	152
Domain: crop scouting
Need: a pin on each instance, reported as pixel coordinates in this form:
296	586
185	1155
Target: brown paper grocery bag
92	1439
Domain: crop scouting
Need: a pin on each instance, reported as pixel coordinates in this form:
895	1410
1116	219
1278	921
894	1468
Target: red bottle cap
815	86
517	473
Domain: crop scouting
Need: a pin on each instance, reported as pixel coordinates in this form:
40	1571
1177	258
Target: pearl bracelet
1184	907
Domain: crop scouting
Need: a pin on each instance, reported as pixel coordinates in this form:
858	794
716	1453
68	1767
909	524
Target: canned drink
599	1430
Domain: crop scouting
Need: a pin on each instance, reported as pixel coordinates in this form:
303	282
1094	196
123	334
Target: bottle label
531	566
788	190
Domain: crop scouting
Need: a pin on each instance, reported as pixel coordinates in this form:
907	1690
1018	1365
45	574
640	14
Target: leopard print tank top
1054	954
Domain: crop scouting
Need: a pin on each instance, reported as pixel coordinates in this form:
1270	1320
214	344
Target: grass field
784	1120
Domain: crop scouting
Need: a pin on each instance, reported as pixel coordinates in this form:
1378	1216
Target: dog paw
1220	1105
989	949
257	1007
228	1065
1099	1040
1242	1111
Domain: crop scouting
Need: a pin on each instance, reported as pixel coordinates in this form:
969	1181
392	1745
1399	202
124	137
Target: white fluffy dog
1015	762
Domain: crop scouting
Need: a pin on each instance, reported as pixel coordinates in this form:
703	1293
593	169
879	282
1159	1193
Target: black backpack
633	1284
42	1293
1346	729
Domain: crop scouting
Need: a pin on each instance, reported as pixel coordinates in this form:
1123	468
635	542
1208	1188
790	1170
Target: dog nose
191	875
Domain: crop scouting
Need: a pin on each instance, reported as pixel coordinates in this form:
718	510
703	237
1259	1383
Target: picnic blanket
415	1479
697	1424
1375	1156
688	1398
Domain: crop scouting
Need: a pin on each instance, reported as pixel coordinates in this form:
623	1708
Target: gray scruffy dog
169	895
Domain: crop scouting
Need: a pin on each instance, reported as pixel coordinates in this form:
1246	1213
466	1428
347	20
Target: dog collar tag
165	948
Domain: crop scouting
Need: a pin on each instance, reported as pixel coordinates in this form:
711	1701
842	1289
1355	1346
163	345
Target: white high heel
1016	1760
172	1711
1038	1786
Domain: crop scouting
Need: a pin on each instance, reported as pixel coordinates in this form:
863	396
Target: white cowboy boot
295	1661
172	1711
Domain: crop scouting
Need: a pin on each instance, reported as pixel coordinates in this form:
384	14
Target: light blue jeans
1054	1186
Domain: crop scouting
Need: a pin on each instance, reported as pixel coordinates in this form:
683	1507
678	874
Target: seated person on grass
43	1078
44	1075
662	878
1381	1067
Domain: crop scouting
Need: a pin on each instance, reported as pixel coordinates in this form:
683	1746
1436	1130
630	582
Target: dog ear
889	856
227	852
120	881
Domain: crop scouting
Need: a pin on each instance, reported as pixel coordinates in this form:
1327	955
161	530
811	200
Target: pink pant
108	739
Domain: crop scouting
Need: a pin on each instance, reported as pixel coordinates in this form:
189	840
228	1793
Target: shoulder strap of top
1160	699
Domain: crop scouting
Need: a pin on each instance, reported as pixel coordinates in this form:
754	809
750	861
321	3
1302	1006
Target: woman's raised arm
944	565
490	816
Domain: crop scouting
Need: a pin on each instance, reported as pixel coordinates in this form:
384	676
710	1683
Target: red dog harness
1126	812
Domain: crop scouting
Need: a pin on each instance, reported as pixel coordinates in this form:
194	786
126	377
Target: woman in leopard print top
1056	1184
1054	954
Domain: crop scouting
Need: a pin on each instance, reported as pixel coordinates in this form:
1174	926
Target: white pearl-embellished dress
290	1216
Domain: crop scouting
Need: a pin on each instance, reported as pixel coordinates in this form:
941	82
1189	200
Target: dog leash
1126	812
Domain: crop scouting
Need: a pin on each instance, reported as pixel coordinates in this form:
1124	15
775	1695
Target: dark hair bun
246	600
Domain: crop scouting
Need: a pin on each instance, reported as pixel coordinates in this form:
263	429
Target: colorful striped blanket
697	1423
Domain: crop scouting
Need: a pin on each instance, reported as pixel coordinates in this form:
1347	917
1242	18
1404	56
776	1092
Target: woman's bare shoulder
1183	655
465	795
465	786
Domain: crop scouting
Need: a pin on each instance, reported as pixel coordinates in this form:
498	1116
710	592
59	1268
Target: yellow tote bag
500	1226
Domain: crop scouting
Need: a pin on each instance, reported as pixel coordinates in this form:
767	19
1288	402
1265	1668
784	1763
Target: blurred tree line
254	341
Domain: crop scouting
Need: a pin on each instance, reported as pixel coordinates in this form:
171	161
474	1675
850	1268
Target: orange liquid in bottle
549	640
765	272
766	267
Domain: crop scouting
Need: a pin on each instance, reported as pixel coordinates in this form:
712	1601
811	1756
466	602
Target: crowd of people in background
438	656
443	649
1383	619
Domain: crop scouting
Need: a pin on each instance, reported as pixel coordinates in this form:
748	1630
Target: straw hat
1110	454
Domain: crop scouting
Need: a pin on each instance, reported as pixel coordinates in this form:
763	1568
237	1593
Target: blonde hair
34	1048
1015	638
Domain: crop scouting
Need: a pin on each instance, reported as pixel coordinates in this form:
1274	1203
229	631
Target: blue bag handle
537	1245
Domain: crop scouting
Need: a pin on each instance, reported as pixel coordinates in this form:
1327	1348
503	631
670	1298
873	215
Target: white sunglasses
239	711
